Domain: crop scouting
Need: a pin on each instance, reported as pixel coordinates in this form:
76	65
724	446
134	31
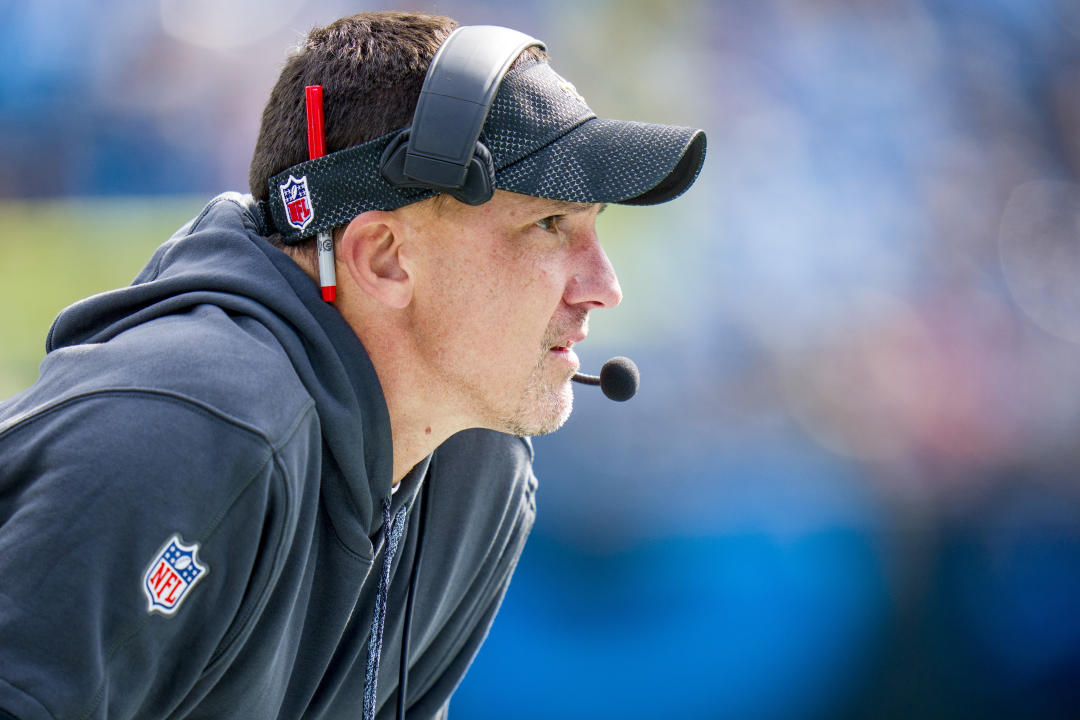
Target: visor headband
440	151
536	136
533	107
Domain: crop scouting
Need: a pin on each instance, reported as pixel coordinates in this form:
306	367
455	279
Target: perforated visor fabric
610	161
544	141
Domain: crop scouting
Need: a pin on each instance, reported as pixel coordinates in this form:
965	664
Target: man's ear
370	248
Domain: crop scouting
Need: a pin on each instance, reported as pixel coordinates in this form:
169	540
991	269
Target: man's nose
593	281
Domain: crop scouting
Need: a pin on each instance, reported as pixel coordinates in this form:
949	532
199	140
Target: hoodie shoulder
232	365
203	321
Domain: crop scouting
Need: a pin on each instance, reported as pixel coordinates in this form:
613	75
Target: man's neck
422	415
418	424
416	427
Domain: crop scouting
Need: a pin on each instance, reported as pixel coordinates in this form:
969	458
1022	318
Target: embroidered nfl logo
294	193
171	575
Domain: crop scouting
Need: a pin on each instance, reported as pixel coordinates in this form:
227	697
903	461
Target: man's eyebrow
566	207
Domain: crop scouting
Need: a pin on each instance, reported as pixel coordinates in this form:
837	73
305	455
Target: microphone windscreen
619	378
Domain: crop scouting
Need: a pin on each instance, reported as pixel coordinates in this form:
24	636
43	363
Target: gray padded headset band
458	91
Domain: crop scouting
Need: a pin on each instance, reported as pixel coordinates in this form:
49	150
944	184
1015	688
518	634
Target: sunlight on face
503	292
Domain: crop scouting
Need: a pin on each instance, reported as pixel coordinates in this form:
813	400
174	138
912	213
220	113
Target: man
225	497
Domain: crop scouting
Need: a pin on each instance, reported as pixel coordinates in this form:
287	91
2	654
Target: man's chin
542	411
546	428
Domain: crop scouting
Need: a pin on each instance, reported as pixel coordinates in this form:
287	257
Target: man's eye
550	223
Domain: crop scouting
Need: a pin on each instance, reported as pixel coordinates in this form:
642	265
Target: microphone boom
618	379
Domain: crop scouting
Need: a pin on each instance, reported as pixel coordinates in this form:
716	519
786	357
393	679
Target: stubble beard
544	406
546	402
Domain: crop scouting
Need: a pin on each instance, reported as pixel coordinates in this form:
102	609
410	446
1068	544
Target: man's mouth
568	342
564	350
562	354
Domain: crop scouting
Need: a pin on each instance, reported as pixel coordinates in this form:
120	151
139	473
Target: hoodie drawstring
392	532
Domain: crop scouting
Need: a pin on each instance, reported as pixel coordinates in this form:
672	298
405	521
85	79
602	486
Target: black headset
441	150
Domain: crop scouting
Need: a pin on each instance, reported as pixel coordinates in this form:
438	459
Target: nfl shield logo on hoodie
171	576
294	193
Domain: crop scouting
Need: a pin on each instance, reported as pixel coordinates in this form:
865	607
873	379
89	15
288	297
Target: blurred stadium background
848	485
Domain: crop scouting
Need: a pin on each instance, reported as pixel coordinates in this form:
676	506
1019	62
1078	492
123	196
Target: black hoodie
192	501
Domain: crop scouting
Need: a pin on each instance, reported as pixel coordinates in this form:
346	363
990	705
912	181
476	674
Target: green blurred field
54	252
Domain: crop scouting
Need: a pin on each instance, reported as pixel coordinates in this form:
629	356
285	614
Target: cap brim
610	161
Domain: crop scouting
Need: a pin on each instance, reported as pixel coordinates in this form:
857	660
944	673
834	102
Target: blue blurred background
848	485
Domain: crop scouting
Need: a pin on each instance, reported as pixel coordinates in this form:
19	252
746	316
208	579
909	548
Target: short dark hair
371	67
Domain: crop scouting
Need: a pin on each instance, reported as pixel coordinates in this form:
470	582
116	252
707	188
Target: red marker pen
316	149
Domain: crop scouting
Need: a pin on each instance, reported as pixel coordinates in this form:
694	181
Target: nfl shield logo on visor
171	575
294	194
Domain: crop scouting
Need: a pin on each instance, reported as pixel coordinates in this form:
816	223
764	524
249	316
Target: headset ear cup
392	163
479	183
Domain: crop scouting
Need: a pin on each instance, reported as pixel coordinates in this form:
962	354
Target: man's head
468	311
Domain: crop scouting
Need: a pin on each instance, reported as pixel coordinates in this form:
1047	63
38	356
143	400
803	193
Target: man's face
502	292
